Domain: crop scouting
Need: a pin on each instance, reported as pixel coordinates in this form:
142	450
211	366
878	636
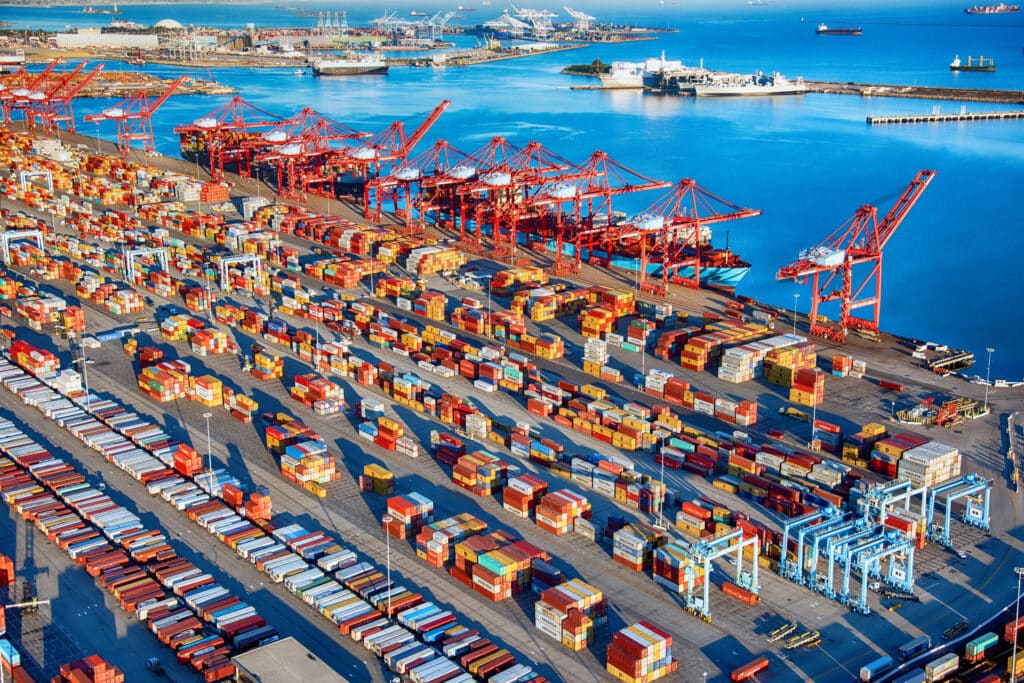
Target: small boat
981	64
414	13
299	72
92	10
824	30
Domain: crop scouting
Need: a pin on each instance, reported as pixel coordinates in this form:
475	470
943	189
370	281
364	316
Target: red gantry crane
860	240
133	117
19	85
54	104
222	133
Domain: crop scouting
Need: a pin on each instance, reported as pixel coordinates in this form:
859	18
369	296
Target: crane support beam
6	238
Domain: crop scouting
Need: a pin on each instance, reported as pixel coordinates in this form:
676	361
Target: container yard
423	457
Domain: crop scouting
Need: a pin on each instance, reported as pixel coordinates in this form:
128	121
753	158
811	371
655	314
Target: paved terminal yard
951	588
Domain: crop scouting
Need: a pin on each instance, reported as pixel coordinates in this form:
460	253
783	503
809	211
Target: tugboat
824	30
981	65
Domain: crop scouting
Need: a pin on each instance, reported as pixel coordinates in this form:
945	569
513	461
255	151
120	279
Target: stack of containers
781	365
675	568
377	479
427	260
522	494
569	612
37	361
479	472
186	460
655	382
164	382
808	387
746	362
857	448
886	454
640	653
314	391
633	544
207	390
929	464
842	364
596	321
827	436
638	331
240	406
408	515
209	342
506	571
595	356
435	541
558	510
124	302
177	327
92	669
267	365
310	465
694	519
430	305
703	351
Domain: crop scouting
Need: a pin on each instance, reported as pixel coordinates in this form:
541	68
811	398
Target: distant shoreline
103	3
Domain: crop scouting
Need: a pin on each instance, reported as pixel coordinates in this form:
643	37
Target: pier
918	92
947	118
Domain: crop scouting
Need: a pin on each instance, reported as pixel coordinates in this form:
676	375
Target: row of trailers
511	196
859	544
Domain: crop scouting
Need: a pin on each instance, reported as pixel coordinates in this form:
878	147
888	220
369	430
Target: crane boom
858	241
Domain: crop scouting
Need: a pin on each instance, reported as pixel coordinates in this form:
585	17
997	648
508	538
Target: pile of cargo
166	381
179	327
308	464
826	436
886	453
746	362
857	447
430	259
267	365
39	362
388	434
569	613
322	395
634	544
929	464
704	351
808	387
640	653
92	669
674	567
558	510
436	541
407	514
662	384
377	479
480	473
241	407
206	390
545	303
781	365
522	494
209	342
596	322
496	565
506	282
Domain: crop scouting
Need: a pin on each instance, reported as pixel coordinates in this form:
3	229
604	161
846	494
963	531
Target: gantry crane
221	135
20	84
26	99
672	234
55	104
133	117
858	241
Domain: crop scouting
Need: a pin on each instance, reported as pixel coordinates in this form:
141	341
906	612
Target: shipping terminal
320	403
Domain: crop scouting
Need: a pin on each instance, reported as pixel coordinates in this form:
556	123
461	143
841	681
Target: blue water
952	271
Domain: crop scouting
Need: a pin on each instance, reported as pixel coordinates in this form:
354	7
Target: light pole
1016	619
84	362
387	519
487	324
892	411
988	374
664	489
209	448
796	297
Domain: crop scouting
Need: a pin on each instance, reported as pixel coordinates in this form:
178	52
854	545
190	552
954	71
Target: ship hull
704	91
839	32
354	70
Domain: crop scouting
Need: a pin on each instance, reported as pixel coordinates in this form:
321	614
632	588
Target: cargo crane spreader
829	266
134	118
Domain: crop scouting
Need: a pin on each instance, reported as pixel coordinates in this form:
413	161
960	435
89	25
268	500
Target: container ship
824	30
1001	8
757	84
981	64
352	65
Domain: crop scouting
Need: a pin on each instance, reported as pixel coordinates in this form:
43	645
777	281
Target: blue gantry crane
706	551
976	492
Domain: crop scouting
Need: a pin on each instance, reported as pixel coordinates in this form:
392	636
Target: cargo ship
824	30
351	65
981	65
1001	8
756	84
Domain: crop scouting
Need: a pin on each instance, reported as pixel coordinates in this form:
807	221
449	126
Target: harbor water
952	271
